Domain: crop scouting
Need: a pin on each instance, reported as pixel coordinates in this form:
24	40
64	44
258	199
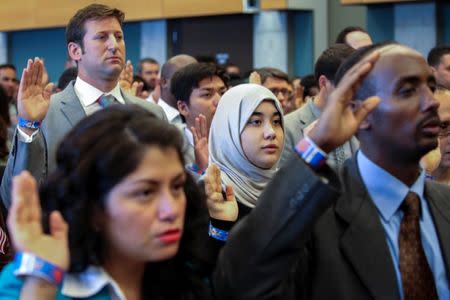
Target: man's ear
433	70
323	81
75	51
183	108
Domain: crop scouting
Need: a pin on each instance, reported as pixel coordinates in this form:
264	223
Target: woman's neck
127	274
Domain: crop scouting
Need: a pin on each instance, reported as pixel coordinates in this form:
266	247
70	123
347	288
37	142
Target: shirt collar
386	191
89	94
89	283
314	109
171	113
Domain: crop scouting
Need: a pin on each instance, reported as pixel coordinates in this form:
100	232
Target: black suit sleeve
258	258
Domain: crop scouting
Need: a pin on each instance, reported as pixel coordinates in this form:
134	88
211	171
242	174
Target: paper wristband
29	124
28	264
310	153
217	233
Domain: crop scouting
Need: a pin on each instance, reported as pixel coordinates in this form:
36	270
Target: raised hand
254	78
339	121
219	207
25	228
200	134
33	98
126	78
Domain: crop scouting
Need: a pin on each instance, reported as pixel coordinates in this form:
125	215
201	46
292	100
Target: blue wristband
310	153
29	124
196	169
217	233
28	264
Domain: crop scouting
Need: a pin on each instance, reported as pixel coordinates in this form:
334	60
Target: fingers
195	134
203	127
58	227
366	107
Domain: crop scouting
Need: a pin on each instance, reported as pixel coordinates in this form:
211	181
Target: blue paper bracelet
28	264
310	153
29	124
217	233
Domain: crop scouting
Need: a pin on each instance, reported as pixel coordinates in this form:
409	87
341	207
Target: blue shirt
388	193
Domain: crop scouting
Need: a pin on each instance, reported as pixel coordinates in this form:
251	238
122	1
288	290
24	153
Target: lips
170	236
431	126
271	148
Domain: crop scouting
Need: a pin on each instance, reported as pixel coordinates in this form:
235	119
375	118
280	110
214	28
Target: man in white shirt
95	41
168	102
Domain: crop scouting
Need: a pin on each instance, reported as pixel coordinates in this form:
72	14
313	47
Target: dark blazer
39	156
308	241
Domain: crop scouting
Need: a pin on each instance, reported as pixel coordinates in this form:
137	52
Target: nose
216	99
112	43
269	132
429	102
167	207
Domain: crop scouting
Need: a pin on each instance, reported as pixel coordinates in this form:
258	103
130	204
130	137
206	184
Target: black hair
308	83
342	36
67	76
148	60
330	60
435	55
188	78
8	66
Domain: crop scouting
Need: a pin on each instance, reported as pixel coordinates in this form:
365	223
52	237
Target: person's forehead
7	72
150	65
211	82
397	61
104	24
274	81
445	60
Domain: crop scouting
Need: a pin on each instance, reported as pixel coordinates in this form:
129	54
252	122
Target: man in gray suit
299	120
95	42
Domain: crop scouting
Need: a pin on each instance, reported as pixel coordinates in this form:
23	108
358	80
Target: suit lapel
364	241
439	204
71	107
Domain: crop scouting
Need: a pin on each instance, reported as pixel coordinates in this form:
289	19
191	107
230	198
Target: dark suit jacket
39	156
305	241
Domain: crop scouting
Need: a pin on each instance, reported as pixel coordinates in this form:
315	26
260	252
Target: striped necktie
106	100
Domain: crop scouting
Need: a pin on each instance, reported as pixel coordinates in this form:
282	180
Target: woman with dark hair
122	215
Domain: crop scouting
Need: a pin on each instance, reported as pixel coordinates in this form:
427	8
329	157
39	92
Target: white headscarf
225	150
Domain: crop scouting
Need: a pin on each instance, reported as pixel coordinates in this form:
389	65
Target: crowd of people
190	180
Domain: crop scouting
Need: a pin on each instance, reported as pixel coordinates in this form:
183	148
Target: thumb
58	227
367	106
230	193
48	91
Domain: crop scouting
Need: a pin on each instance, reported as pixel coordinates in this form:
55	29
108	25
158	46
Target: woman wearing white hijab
245	142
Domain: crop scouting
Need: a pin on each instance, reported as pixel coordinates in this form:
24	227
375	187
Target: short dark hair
188	78
148	60
435	55
67	76
267	72
341	37
8	66
330	60
308	83
367	87
76	30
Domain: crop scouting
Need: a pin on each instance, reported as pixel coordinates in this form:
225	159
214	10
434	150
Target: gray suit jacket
317	240
38	157
294	126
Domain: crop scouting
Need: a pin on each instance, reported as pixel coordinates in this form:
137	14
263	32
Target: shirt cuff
25	138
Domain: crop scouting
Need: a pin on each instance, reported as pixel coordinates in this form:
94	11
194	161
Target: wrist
216	233
311	153
30	265
28	124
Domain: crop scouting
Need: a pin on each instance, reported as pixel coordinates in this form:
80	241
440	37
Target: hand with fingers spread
219	207
339	121
33	98
126	78
200	134
25	227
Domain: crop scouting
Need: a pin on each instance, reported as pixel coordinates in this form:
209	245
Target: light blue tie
106	100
